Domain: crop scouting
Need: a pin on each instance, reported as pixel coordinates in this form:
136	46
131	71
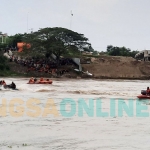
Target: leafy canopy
120	51
58	41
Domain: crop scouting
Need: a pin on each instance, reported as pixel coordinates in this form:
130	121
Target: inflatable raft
7	88
41	82
143	95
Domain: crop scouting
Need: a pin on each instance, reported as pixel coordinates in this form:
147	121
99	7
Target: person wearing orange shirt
3	82
31	80
41	79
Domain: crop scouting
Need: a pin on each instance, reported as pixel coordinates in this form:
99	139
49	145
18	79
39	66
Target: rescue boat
5	87
143	95
41	82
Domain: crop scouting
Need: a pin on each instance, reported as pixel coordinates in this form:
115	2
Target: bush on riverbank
4	64
4	67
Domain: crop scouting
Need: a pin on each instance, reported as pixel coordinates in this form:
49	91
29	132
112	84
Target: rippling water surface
78	133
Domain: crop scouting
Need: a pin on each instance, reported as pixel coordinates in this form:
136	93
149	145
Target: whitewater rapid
78	133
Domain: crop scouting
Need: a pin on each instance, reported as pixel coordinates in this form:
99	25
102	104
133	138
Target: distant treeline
120	51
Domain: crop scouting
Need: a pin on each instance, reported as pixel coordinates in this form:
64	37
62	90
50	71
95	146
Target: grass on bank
9	73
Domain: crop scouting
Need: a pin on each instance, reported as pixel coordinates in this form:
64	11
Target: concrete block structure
143	55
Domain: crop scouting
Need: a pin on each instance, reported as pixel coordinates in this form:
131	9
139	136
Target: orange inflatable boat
144	96
41	82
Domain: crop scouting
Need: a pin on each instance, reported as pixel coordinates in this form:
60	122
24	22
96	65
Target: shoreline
79	77
107	68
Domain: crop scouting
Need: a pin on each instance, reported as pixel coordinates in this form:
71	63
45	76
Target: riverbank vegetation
63	43
120	51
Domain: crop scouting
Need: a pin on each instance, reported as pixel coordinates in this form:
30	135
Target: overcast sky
103	22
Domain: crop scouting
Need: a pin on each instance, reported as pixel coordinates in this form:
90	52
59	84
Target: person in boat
31	80
3	82
12	85
47	79
148	91
35	79
41	79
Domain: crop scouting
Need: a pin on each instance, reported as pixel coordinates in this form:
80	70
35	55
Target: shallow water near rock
75	132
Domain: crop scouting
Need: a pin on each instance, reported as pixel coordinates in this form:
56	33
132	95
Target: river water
75	132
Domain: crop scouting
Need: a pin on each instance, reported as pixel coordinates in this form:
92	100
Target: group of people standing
43	65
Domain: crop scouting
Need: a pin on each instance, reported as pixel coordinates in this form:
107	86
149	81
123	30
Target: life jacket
148	91
41	79
3	82
31	80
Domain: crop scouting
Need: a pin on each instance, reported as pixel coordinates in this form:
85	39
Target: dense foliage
3	63
13	40
58	41
10	41
120	51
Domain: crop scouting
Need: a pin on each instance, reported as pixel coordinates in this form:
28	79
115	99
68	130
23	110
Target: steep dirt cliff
118	67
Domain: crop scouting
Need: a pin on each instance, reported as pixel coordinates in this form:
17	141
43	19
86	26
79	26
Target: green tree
58	41
109	48
120	51
14	39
